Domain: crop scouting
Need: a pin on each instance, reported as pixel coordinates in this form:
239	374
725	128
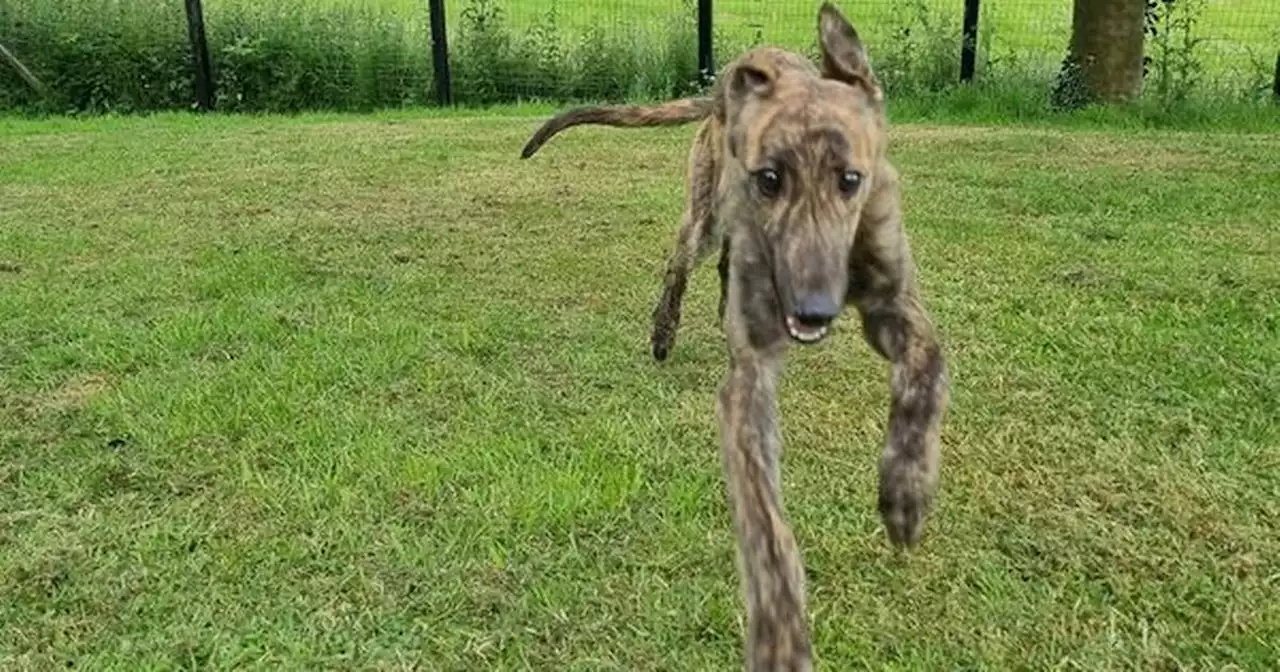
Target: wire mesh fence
127	55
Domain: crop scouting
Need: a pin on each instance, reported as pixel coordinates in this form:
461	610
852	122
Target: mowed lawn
372	393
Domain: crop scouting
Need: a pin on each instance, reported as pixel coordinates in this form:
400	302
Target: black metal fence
360	54
525	48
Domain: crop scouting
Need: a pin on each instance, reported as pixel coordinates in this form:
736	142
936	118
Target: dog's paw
903	519
906	498
661	343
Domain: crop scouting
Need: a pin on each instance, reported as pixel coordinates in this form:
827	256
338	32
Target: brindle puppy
788	175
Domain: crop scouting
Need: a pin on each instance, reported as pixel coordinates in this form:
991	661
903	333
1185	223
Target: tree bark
1105	57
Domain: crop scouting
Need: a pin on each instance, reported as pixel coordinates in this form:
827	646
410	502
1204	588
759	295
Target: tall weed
1173	67
923	54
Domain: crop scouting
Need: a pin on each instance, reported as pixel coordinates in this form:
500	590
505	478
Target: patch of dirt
76	392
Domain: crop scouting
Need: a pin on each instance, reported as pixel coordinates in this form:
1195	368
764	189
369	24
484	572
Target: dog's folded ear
843	56
750	79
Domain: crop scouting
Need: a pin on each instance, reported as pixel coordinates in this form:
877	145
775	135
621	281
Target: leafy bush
97	55
923	54
493	63
278	58
290	55
134	55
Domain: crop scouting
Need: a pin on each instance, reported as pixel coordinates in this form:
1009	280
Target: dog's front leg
769	561
895	323
909	464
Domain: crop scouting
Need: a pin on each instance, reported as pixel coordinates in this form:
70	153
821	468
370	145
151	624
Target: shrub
291	55
134	55
280	58
97	55
494	63
923	54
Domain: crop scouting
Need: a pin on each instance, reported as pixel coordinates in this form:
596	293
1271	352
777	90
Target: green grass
369	392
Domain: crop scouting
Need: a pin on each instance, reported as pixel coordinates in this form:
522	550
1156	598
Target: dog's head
805	146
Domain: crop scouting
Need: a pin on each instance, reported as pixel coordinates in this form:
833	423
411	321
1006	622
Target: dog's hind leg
897	326
695	240
723	268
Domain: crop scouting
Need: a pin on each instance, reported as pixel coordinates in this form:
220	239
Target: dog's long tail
674	113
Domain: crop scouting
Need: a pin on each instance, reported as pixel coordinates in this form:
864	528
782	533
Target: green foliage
126	56
97	55
922	54
918	64
493	62
1174	67
1069	90
1260	81
276	58
117	56
113	56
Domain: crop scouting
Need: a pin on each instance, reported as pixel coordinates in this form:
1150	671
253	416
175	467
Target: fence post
969	45
706	59
1275	87
200	54
440	53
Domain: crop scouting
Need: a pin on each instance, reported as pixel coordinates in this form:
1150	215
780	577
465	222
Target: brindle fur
772	108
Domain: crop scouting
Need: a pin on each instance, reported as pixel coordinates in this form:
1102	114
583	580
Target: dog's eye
769	182
850	180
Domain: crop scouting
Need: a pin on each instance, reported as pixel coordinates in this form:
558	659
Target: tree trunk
1104	64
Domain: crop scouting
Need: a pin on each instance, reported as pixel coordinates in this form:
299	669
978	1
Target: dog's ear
753	78
749	79
745	81
843	56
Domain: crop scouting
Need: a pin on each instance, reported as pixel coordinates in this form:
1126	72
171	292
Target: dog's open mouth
806	331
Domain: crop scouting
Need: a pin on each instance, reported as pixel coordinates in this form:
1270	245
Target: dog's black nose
816	310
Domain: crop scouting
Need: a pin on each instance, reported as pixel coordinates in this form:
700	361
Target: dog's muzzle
811	317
